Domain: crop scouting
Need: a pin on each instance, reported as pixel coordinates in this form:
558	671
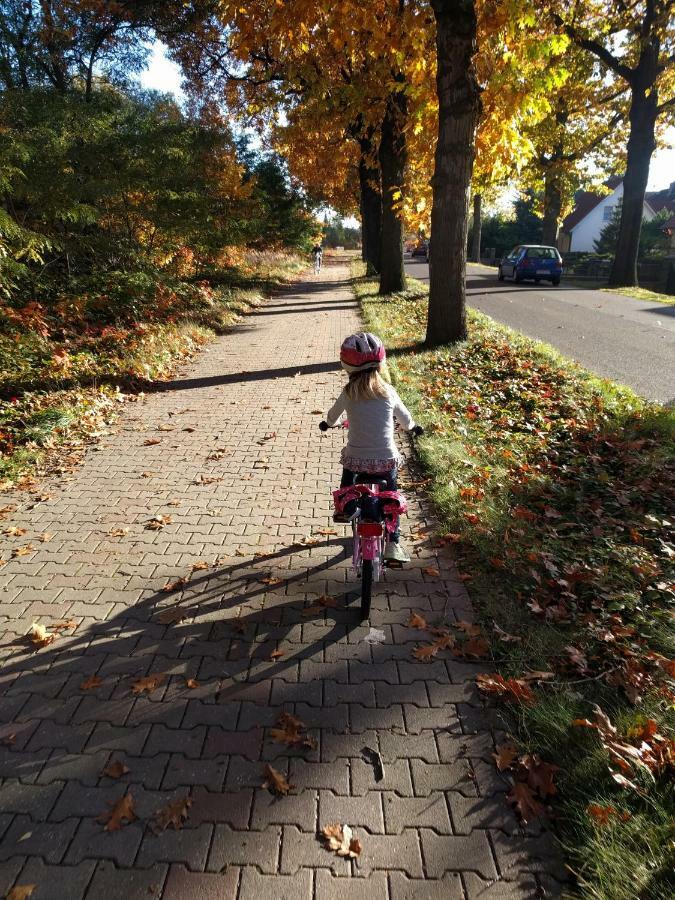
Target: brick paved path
244	414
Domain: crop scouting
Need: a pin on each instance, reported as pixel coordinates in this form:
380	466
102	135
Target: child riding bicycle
317	253
370	405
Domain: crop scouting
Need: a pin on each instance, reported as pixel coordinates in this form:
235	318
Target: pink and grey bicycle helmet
361	351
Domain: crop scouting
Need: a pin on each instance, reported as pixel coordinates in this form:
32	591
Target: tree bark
371	205
393	159
477	224
552	208
458	111
641	145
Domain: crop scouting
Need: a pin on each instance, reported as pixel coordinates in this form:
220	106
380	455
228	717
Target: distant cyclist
317	253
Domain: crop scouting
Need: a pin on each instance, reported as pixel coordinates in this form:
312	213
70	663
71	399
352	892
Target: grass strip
69	360
558	490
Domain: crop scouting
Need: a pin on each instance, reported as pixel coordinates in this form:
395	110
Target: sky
164	75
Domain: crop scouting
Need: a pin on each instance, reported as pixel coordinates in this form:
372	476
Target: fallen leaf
577	659
509	689
540	774
600	814
173	615
91	683
467	627
431	572
118	813
39	636
191	683
13	531
200	566
426	652
275	782
505	756
325	532
445	641
172	586
9	739
271	580
277	654
315	412
164	427
70	625
340	839
525	802
21	892
118	532
150	442
475	646
172	815
45	537
23	551
321	603
415	620
149	683
115	769
157	522
207	479
505	636
289	731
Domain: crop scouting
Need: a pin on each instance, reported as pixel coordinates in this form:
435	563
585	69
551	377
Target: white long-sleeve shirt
371	425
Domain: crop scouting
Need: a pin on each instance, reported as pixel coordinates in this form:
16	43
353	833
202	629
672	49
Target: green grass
639	293
65	361
559	489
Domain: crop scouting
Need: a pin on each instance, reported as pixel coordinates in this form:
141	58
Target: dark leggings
349	477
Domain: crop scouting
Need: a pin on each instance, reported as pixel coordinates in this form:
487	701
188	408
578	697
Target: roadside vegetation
639	293
557	490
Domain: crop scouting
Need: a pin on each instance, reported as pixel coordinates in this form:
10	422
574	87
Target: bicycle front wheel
366	587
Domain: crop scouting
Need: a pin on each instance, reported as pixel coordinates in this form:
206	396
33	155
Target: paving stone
25	837
457	853
181	884
389	852
297	808
525	888
359	812
328	887
395	745
33	800
233	809
255	886
404	888
244	848
188	742
210	773
415	812
430	777
56	882
187	845
335	775
92	842
9	872
396	778
245	743
112	883
82	767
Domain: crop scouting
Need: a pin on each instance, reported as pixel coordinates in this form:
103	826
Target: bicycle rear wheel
366	587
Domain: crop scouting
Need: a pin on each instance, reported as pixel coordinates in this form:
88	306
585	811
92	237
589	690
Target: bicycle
373	512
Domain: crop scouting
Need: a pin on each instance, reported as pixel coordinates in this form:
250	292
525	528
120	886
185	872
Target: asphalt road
630	341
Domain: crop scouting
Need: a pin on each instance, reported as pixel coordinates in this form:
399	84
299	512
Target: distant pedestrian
317	253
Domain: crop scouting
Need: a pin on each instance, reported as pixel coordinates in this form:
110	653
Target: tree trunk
458	111
552	207
477	223
393	158
371	205
641	145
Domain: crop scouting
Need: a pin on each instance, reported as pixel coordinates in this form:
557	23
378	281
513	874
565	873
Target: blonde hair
368	385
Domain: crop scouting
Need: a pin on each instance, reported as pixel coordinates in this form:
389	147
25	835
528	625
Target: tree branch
596	48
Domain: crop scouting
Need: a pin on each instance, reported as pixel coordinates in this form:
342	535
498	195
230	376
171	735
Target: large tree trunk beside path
371	205
393	158
458	111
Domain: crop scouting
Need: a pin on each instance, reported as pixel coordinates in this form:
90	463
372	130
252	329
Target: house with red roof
592	211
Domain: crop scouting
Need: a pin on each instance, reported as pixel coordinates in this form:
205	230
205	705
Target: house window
607	214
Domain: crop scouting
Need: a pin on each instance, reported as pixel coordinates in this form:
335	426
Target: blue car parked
533	262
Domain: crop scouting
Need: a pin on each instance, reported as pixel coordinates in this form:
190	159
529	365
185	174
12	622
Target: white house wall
587	231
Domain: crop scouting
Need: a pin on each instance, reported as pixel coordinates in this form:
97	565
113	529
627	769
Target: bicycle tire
366	587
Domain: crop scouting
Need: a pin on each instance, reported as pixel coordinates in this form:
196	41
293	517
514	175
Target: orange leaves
525	801
120	813
91	683
156	523
415	620
513	689
173	815
643	748
289	731
21	892
533	781
602	815
148	684
115	769
425	653
321	603
505	756
340	839
275	782
39	637
432	572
